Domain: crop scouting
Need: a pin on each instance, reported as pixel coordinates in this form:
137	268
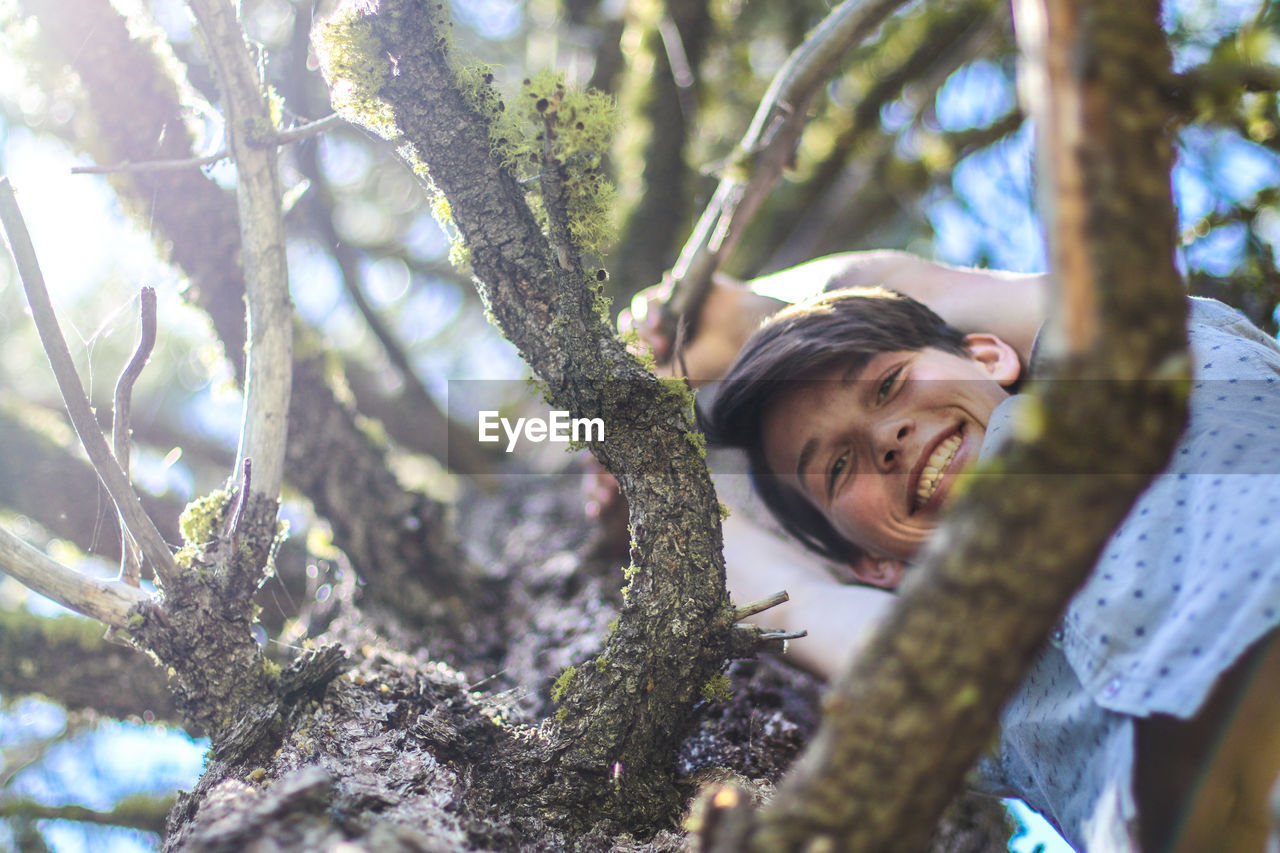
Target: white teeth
937	462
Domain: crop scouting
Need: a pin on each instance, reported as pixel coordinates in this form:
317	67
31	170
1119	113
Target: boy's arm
1010	306
837	616
731	312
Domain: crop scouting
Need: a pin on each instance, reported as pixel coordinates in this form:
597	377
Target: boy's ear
884	572
996	357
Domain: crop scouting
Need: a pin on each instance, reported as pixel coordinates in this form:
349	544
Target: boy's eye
887	385
837	468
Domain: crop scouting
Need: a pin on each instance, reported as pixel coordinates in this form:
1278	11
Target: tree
364	738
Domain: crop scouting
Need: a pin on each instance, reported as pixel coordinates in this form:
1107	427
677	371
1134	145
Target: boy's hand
729	316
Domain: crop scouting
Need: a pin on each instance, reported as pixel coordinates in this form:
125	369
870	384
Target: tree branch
252	141
130	567
113	478
137	812
135	103
621	716
67	660
766	149
39	468
432	431
659	96
111	602
305	131
1223	82
841	204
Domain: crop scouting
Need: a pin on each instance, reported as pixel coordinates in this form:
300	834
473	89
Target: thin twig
152	165
766	150
284	137
130	566
681	69
107	601
236	518
311	128
113	478
783	635
760	606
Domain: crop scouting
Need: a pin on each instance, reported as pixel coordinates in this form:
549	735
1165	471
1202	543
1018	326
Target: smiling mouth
934	467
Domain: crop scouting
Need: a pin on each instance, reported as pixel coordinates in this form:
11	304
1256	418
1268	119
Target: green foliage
643	354
551	126
459	254
259	131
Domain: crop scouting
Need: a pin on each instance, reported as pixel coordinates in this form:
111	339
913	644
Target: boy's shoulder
1226	345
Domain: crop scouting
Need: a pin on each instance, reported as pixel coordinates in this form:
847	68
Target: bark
921	702
251	139
133	519
403	752
412	418
766	149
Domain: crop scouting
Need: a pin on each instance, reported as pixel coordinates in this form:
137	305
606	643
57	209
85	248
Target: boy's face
879	450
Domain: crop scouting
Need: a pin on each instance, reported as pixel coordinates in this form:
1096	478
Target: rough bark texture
675	629
921	702
404	753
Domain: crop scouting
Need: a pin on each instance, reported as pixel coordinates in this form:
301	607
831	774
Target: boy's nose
890	440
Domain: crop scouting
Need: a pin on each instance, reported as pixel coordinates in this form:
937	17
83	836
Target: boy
858	412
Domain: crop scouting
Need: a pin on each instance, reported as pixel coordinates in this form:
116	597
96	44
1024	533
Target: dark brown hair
847	328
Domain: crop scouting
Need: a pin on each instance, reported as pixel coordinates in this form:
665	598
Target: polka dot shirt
1189	580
